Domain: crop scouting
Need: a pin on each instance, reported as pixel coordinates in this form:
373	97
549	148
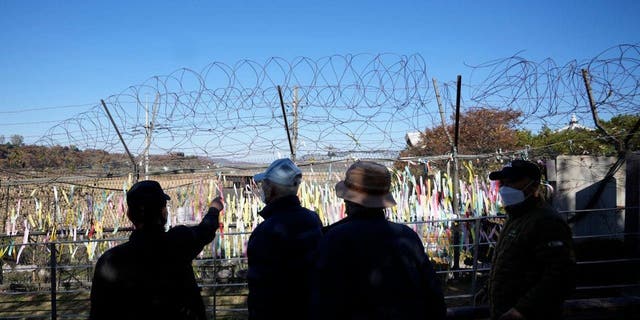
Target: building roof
574	125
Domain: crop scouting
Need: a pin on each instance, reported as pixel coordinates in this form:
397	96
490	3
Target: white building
574	125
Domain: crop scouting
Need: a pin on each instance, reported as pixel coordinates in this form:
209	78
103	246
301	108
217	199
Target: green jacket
533	266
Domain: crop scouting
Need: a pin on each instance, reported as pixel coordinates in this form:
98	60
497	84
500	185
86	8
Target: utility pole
136	172
444	123
294	129
286	125
147	137
148	129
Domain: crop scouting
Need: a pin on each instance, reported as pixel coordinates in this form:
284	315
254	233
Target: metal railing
49	284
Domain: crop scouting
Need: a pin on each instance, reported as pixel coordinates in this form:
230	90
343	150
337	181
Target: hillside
33	161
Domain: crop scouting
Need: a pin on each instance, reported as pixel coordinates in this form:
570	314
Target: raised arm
191	240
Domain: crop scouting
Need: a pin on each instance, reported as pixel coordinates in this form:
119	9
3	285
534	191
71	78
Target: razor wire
339	105
358	103
548	93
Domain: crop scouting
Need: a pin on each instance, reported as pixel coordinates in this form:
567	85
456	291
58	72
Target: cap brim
506	173
166	196
364	199
496	175
259	177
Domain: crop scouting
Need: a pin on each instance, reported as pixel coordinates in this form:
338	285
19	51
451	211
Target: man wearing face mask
533	267
280	249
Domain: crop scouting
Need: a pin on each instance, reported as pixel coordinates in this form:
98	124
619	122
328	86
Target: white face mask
511	196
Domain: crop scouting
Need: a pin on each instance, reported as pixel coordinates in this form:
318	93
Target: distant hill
43	160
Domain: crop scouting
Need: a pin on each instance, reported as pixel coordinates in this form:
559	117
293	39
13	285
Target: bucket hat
368	184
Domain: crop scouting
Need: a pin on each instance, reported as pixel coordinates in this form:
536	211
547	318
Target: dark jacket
151	275
533	266
370	268
280	254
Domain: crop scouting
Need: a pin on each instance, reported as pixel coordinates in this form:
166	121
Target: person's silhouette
151	275
280	249
368	267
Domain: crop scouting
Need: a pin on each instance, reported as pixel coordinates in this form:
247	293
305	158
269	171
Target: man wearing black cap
151	276
280	249
371	268
533	265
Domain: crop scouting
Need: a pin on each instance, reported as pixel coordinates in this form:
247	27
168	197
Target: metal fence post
3	218
53	262
215	283
476	247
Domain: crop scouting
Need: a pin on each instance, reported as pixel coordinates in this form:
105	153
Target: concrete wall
576	180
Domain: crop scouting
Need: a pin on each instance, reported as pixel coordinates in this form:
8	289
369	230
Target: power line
31	109
28	123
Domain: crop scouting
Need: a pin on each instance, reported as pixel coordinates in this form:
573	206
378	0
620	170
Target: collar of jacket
144	233
366	213
281	204
520	209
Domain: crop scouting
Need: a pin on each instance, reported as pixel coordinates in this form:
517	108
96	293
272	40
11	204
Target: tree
549	144
621	125
17	140
482	130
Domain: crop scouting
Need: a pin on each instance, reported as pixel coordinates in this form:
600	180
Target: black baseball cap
517	169
147	192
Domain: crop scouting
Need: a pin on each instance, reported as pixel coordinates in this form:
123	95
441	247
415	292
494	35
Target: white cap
282	172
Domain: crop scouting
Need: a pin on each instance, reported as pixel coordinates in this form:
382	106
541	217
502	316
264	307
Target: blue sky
59	57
